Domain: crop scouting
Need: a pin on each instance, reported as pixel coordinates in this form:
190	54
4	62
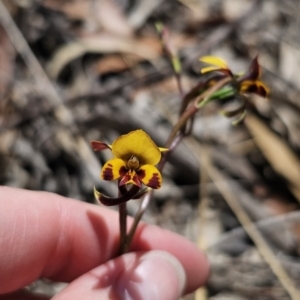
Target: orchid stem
192	109
123	226
179	84
172	147
137	219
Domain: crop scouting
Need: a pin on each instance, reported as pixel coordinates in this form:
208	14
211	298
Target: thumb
133	276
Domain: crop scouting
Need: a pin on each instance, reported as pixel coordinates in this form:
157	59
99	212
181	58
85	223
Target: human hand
43	235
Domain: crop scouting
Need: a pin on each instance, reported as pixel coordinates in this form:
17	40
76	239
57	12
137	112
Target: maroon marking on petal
262	91
154	182
108	174
125	179
141	174
123	171
110	165
136	180
251	88
256	89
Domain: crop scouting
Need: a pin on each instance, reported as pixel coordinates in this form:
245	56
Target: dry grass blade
277	152
7	56
22	47
203	209
7	66
102	43
105	14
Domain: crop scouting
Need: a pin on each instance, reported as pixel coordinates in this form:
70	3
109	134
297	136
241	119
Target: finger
140	276
46	235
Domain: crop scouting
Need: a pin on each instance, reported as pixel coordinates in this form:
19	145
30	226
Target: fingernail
156	275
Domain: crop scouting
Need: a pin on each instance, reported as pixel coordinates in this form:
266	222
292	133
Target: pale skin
43	235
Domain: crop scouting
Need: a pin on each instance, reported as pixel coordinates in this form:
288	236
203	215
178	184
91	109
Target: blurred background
76	70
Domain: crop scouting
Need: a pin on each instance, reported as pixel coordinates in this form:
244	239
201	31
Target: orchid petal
109	201
256	87
216	69
209	69
98	146
150	176
215	61
236	111
140	194
240	119
139	144
254	69
113	169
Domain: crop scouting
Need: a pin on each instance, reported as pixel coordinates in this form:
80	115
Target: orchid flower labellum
135	157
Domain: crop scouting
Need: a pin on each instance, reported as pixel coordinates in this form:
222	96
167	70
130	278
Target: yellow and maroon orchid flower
135	157
248	82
